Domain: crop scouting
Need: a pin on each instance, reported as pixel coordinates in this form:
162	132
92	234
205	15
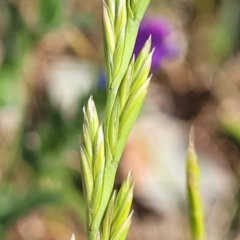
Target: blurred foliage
36	173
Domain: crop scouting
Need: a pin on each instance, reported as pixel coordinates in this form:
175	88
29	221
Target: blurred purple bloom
102	80
163	39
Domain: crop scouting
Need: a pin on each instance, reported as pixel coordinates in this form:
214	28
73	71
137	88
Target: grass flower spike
108	212
121	20
196	215
117	218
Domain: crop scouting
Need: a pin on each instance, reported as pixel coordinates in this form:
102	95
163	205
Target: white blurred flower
156	153
68	80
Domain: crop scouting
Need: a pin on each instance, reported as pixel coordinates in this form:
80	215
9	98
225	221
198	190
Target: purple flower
102	80
164	40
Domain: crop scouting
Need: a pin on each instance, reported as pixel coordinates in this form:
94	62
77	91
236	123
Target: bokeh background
51	60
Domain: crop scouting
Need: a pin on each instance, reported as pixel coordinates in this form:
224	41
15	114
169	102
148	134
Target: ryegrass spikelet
121	21
102	144
118	217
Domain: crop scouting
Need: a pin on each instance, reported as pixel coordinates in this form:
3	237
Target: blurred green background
51	60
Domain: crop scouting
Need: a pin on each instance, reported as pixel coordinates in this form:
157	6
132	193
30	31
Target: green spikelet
195	207
102	144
